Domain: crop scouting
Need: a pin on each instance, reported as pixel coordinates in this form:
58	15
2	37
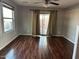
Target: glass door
44	20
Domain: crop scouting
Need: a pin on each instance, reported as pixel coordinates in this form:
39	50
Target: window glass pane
8	25
7	13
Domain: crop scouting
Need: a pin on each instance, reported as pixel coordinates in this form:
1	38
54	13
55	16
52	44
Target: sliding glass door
44	20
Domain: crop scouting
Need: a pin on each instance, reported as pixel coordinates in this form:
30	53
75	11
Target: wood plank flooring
43	47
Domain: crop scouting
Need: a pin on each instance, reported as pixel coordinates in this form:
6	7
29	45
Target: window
8	16
44	20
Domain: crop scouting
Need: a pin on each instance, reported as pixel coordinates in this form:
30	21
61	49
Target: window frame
13	16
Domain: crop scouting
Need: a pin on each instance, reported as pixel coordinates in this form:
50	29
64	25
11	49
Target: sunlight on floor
43	42
10	55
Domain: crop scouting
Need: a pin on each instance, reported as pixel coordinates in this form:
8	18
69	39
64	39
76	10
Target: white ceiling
63	3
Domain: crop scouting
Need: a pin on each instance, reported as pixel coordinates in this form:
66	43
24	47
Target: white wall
70	22
7	37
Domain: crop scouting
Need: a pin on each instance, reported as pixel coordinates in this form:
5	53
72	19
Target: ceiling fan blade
54	3
47	1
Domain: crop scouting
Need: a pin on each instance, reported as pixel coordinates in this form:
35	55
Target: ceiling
63	3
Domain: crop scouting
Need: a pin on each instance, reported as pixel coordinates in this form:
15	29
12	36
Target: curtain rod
41	10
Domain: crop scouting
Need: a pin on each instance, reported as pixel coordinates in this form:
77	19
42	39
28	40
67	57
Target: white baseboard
65	38
69	39
58	35
26	34
9	42
53	35
31	35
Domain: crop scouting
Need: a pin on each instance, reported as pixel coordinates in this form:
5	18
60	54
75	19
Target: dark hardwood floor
28	47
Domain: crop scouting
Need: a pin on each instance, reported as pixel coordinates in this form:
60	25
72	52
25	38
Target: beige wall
70	22
7	37
60	23
25	21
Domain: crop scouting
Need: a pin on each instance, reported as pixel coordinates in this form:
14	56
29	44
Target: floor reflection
43	42
10	55
35	47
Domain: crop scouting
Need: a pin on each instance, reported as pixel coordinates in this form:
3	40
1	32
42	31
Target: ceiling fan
50	2
46	2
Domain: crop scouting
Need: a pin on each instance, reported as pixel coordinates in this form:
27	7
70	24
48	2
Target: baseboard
27	34
52	35
65	38
69	39
9	42
32	35
58	35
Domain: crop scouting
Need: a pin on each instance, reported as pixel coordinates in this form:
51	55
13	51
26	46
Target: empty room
39	29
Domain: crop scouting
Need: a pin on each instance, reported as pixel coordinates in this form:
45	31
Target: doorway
44	21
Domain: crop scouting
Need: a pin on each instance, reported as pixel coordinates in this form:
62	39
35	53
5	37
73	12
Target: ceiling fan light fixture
46	5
